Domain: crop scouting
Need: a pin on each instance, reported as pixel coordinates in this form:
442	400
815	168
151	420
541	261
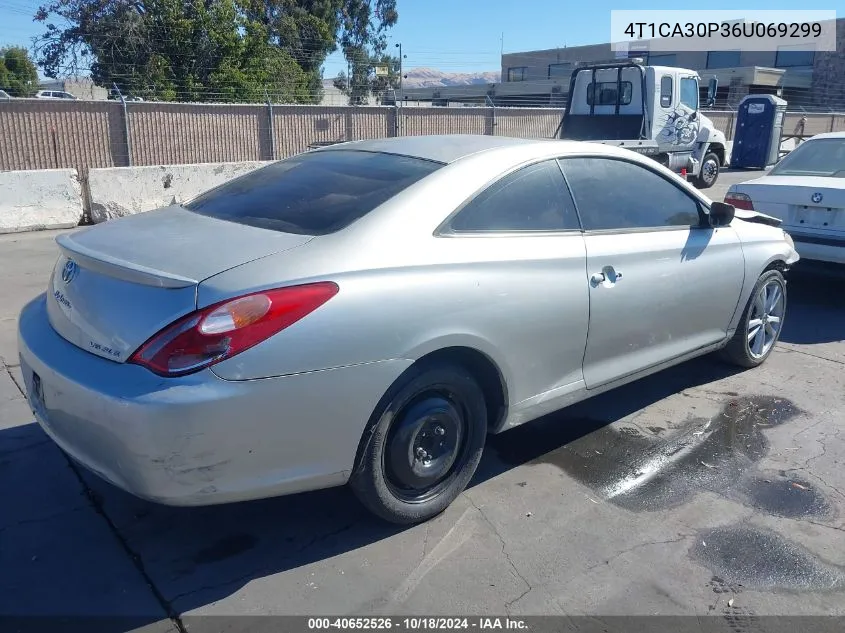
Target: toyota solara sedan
368	312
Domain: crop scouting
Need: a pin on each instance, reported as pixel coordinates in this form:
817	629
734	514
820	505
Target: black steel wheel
422	445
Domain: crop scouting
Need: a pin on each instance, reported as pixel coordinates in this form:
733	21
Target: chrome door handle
599	278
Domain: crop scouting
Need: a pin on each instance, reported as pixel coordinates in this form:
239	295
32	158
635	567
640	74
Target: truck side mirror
712	86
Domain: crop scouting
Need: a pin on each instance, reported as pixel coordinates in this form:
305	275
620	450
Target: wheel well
484	370
778	265
719	150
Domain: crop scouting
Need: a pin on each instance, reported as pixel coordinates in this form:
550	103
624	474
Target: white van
53	94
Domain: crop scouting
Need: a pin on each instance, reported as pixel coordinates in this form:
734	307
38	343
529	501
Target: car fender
432	342
763	245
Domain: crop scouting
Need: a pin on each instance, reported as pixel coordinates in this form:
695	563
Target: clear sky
468	35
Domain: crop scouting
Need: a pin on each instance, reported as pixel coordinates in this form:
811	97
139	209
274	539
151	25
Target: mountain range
431	78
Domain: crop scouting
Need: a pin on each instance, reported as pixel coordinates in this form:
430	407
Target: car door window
617	194
533	198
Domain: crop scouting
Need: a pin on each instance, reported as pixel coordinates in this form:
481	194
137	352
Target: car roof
826	135
442	148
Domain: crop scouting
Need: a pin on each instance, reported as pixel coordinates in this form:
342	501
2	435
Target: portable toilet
759	126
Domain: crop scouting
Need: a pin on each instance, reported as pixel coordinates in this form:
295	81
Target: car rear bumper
819	248
198	439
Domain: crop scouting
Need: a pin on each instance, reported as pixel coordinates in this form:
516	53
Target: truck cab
653	110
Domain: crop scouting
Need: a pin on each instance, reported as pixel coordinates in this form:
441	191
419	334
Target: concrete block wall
120	191
40	199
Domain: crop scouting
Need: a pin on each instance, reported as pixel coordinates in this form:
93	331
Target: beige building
813	80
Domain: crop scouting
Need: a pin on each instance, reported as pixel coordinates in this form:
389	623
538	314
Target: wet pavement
698	491
663	467
758	559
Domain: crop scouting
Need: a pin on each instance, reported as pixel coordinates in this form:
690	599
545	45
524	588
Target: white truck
653	110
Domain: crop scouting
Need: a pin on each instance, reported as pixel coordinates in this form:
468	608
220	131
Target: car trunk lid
117	284
809	203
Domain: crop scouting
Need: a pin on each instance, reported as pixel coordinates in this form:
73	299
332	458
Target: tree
370	76
311	29
18	73
209	50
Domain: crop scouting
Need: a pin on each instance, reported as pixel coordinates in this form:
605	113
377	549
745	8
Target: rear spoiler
118	268
757	218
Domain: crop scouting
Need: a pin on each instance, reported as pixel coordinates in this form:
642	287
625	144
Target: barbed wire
173	81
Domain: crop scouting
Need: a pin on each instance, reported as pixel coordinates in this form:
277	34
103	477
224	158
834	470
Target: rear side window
315	193
533	198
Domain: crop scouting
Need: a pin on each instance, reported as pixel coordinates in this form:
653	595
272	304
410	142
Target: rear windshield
608	93
314	193
820	157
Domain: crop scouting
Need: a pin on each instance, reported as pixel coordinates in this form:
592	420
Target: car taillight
739	201
220	331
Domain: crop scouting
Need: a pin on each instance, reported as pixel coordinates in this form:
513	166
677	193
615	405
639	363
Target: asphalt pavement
701	491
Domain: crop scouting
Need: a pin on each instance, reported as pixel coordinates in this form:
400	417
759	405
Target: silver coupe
366	313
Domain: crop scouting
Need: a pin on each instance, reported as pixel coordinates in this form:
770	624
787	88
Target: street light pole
401	95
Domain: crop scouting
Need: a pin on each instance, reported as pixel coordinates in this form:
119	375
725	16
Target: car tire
711	163
745	348
427	409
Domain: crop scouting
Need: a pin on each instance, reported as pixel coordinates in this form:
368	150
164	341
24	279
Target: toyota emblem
70	271
817	197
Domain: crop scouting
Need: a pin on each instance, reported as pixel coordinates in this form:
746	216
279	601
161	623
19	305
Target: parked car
114	95
367	313
806	190
53	94
5	96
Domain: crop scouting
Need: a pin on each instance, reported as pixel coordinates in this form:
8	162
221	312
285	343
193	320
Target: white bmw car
806	191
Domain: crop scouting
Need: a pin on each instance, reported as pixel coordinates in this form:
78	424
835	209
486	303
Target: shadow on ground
816	310
192	557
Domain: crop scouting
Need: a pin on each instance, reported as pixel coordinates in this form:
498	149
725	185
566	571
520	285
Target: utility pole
401	94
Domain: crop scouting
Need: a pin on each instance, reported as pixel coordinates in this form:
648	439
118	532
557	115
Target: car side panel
677	293
521	300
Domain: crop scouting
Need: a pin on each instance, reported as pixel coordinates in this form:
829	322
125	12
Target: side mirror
711	91
693	116
721	214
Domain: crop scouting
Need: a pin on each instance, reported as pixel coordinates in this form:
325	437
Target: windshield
314	193
820	157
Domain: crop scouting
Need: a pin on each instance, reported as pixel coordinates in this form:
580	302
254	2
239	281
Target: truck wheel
709	172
